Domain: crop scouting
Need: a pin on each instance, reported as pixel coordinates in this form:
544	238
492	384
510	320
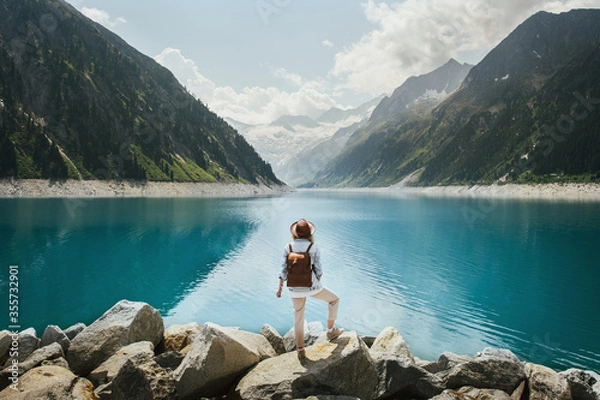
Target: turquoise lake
453	275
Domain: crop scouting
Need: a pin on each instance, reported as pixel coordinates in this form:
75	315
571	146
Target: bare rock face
50	382
401	377
140	378
546	384
53	334
125	323
107	371
218	356
179	336
492	369
35	359
274	338
585	385
343	367
390	341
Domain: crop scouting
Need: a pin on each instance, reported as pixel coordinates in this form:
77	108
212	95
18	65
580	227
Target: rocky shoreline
37	188
126	354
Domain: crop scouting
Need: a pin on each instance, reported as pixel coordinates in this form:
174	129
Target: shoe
301	354
334	333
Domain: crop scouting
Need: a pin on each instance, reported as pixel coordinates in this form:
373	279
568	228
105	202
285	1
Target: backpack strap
308	249
290	246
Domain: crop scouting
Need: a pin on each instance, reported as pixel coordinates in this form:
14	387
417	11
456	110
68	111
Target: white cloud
327	43
417	36
252	105
102	17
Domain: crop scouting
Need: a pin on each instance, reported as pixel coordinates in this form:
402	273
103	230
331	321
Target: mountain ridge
79	102
492	128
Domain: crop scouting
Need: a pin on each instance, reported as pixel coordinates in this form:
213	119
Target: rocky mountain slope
525	113
78	102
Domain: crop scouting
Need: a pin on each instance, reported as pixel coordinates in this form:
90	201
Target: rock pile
128	355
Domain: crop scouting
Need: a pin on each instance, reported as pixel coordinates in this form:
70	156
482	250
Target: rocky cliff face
77	101
126	355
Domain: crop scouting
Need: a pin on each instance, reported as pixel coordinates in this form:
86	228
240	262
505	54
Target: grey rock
445	362
74	330
401	377
471	393
107	371
273	337
492	369
6	339
28	343
178	336
585	385
170	359
218	356
312	332
50	382
59	362
343	367
53	334
390	341
546	384
140	378
35	359
125	323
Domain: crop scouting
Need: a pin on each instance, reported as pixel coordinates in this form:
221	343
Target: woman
302	238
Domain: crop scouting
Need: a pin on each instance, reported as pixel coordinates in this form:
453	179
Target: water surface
451	274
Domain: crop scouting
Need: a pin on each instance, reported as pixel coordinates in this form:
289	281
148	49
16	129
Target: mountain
434	86
295	144
525	113
78	102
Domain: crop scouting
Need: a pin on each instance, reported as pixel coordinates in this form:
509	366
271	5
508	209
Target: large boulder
274	338
585	385
35	359
445	362
28	343
390	341
341	367
125	323
401	377
74	330
471	393
178	336
492	369
312	332
53	334
107	371
140	378
50	382
218	356
546	384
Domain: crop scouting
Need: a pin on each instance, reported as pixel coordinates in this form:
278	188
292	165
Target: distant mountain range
528	112
78	102
297	146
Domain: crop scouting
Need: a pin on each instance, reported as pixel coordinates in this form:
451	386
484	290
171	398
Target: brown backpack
299	268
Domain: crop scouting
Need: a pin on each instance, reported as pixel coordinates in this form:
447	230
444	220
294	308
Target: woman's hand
278	294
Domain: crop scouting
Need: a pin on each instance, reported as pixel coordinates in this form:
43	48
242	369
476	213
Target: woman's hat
302	229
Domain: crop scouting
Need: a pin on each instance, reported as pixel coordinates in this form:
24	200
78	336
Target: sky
256	60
